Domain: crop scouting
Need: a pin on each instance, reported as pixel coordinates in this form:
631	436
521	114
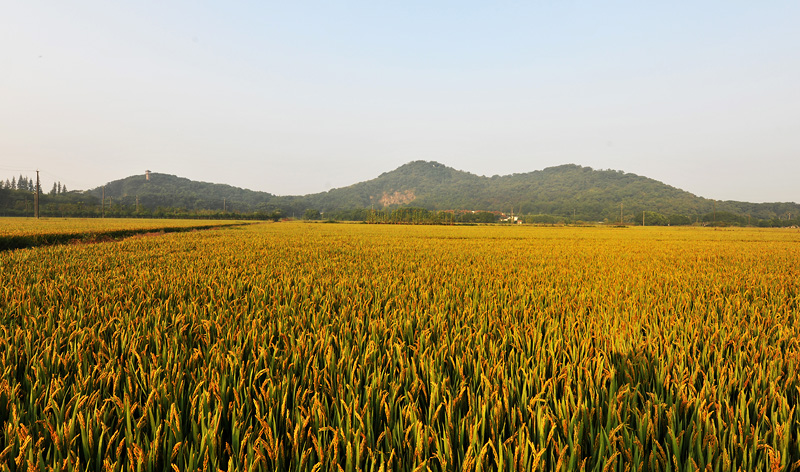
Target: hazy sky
300	97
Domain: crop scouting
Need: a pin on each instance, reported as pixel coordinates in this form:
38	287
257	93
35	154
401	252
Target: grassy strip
9	242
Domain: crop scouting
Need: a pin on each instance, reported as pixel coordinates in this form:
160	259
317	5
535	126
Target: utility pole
137	203
620	212
644	197
715	213
224	205
103	204
36	197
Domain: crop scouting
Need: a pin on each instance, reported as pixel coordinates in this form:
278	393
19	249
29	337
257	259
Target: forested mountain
169	191
566	193
569	190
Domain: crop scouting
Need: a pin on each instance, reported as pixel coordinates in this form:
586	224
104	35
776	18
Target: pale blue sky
300	97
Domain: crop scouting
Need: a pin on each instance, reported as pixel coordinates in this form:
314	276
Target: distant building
147	175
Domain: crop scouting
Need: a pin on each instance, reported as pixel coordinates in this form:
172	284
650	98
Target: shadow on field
10	242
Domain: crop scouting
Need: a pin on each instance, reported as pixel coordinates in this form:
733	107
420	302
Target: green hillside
568	190
169	191
564	193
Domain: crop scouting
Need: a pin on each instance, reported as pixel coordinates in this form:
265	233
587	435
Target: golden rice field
323	347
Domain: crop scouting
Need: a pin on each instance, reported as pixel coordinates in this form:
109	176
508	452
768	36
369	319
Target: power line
17	169
69	181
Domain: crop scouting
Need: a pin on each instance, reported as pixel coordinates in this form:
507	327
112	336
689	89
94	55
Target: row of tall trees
29	185
58	189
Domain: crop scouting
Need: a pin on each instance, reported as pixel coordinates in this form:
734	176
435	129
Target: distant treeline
414	215
15	202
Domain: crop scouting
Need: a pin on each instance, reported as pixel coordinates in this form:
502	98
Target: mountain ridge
567	190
